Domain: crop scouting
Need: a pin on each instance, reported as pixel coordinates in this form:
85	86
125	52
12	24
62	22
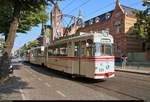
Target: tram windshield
103	49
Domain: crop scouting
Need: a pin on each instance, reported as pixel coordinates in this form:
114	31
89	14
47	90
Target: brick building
119	23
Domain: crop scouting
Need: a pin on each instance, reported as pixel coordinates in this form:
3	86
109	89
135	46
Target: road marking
40	79
22	94
47	84
61	93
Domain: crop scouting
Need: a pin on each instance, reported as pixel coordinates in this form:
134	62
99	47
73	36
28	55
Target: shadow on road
12	85
54	73
16	67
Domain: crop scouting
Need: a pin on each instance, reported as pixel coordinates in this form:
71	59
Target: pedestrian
124	61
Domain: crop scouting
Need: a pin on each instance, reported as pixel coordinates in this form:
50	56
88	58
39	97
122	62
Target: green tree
24	49
32	44
22	15
142	26
18	16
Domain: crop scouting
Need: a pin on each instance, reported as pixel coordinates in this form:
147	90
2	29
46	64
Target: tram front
104	59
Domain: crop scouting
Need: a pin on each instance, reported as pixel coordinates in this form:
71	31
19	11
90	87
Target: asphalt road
31	82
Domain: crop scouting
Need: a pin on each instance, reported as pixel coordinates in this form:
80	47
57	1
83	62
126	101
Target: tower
56	18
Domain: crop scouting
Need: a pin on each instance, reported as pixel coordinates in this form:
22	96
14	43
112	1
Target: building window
117	25
118	14
118	29
107	15
97	19
91	22
83	24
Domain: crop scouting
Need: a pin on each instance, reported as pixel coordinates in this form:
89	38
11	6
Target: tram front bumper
104	75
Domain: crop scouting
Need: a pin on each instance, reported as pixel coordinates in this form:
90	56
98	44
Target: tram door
76	62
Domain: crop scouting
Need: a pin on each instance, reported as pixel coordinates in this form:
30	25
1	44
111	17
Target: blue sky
89	9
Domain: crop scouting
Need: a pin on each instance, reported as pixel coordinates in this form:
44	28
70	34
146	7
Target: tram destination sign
105	41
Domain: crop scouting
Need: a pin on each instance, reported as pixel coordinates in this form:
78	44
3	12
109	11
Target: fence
136	57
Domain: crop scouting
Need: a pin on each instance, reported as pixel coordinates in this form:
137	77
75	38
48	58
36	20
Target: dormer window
91	22
97	19
107	15
83	24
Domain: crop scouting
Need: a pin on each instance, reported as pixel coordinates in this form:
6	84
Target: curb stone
133	72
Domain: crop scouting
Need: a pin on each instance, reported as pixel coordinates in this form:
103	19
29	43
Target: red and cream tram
88	54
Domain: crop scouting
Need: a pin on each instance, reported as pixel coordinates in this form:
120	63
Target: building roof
128	10
100	18
106	16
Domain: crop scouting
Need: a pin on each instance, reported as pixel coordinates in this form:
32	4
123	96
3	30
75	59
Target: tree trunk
11	36
5	60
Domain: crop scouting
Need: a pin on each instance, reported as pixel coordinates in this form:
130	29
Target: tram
87	54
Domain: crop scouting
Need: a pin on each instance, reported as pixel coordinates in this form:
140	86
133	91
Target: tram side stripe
84	58
105	74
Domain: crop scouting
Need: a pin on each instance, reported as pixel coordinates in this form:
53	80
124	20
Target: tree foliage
18	16
142	26
24	49
28	17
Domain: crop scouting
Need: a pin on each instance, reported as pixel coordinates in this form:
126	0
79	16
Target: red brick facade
119	22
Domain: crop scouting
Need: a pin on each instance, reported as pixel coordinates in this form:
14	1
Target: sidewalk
134	69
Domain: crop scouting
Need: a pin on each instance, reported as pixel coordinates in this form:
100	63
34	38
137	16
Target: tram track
122	90
121	86
112	90
148	81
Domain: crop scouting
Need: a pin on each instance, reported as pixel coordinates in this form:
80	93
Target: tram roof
84	35
36	47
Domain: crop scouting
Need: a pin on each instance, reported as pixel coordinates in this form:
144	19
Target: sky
89	9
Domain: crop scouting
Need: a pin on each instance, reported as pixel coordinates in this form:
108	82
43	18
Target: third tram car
88	54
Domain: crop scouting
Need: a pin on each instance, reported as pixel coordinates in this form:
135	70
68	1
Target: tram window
31	53
62	49
97	49
40	53
106	49
50	52
76	49
89	47
57	52
34	52
83	48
